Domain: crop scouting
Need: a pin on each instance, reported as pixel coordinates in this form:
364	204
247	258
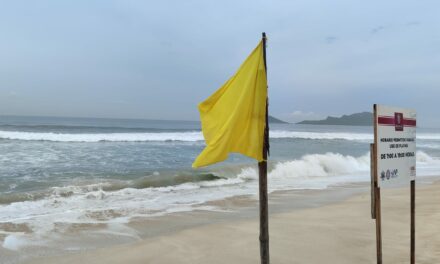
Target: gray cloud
413	23
331	39
377	29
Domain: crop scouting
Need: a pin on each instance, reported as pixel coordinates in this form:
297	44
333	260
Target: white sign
395	139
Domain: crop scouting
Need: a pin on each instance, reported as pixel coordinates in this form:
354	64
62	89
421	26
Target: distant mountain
358	119
276	120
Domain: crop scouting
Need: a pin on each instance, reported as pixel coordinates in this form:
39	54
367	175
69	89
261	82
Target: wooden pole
378	227
413	220
373	183
262	167
377	196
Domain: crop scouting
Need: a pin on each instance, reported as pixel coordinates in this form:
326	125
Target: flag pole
262	168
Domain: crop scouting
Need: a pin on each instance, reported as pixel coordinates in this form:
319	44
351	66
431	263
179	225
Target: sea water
56	172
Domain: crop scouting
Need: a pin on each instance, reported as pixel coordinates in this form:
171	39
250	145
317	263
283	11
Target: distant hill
276	120
358	119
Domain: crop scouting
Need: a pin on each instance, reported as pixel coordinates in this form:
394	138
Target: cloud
299	115
413	23
330	39
377	29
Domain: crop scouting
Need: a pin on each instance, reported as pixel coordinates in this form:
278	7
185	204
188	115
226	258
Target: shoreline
237	221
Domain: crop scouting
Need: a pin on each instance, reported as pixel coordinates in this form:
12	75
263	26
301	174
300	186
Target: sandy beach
326	230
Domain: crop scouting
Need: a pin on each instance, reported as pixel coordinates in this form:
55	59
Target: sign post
394	157
373	182
413	221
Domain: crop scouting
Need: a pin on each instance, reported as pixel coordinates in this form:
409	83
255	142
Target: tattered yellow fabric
234	117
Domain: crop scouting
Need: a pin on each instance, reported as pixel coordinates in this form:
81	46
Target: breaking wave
310	171
99	137
180	136
119	202
159	194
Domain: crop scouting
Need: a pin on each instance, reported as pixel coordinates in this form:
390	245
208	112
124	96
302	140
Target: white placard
395	139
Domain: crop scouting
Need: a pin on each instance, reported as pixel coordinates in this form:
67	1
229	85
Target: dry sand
341	232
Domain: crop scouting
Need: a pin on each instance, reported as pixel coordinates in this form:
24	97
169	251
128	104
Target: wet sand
305	227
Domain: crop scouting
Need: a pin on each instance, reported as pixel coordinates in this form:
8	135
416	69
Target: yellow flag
234	117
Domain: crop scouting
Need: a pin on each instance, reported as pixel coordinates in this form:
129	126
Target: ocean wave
426	158
321	165
311	169
164	182
313	166
101	137
321	135
428	145
119	202
158	194
192	136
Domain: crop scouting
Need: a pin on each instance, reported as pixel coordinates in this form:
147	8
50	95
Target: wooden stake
413	220
262	167
378	227
377	196
373	183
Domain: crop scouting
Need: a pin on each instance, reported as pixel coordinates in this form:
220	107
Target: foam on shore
102	204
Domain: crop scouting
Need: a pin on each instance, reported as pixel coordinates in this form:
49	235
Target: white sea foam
181	136
429	136
91	204
116	137
320	135
428	145
15	242
315	171
321	165
425	158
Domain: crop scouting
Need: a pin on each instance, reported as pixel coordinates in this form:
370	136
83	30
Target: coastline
306	226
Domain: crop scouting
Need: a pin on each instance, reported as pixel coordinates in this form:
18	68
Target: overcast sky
158	59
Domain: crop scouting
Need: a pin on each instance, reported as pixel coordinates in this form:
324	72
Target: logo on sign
394	173
413	171
382	175
398	121
389	174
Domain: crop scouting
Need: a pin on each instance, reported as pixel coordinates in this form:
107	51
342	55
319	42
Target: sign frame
395	138
399	125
